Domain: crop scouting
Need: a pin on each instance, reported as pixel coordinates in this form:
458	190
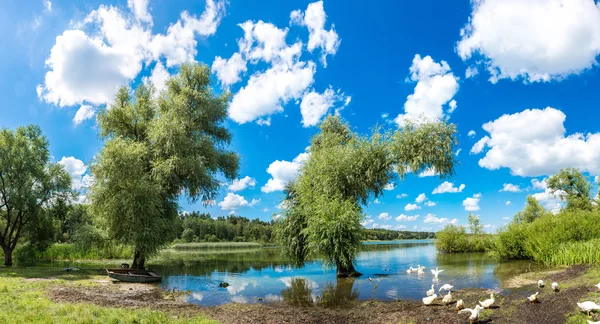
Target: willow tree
572	187
29	182
324	203
157	149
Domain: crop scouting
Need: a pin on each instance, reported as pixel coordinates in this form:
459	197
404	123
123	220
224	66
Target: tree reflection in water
300	293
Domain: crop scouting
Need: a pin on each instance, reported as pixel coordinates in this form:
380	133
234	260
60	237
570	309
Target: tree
532	211
572	187
324	203
475	224
29	182
158	148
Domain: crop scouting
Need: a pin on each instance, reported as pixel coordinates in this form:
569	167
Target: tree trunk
139	260
347	271
8	256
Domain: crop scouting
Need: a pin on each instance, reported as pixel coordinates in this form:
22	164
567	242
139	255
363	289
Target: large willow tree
156	150
324	203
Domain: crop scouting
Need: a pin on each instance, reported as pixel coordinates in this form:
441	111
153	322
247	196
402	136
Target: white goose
431	291
429	300
447	299
598	285
474	313
541	283
446	287
459	305
488	302
436	272
533	298
590	322
588	306
555	286
420	270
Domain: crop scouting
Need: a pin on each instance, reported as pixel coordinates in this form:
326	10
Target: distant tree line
380	234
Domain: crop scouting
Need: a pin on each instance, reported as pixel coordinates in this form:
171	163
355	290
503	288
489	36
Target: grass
571	253
64	251
215	245
25	301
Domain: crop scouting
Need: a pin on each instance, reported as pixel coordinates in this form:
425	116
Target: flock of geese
586	306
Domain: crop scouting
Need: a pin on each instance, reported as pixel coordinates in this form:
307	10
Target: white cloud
537	184
264	210
83	113
315	105
229	71
507	203
400	227
276	216
471	133
430	203
472	203
471	72
457	152
384	216
436	86
405	218
428	173
140	10
77	170
232	202
367	222
376	201
509	187
431	218
314	19
282	172
410	207
448	187
533	40
420	198
533	143
452	106
90	67
254	202
402	195
389	187
159	77
48	5
243	183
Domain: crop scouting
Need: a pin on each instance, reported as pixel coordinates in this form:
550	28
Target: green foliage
381	234
570	253
219	245
475	225
197	227
343	171
29	182
455	239
572	187
509	243
67	251
155	150
532	211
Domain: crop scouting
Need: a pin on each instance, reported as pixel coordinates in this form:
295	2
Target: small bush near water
455	239
215	245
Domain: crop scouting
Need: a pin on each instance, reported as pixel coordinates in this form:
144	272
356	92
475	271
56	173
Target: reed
571	253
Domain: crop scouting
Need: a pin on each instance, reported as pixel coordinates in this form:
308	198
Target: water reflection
300	292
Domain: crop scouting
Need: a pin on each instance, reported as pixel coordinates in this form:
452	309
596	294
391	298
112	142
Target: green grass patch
215	245
24	300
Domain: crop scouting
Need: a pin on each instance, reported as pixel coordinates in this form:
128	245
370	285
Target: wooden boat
133	275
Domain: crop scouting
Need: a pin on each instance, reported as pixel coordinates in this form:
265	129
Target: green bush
455	239
510	242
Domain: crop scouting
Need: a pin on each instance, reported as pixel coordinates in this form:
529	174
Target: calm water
257	275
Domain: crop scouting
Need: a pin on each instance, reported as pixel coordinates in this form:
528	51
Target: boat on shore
134	275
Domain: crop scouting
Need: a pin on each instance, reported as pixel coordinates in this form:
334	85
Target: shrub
455	239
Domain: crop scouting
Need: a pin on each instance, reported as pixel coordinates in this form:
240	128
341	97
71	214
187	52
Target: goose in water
420	270
533	298
588	306
474	313
488	302
429	300
436	272
447	299
541	283
555	286
431	291
459	305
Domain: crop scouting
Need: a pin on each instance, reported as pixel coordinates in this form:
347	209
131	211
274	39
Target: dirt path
511	305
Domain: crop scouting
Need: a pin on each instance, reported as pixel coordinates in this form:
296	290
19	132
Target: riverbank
37	295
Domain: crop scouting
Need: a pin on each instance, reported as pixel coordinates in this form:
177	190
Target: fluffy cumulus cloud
534	39
430	204
472	203
241	184
405	218
233	201
367	221
282	172
48	5
286	77
448	187
158	78
83	113
390	186
109	48
547	198
428	173
471	133
384	216
410	207
436	86
77	170
509	187
507	203
533	143
314	18
432	218
402	195
420	198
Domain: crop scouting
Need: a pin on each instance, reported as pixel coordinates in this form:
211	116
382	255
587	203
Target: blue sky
522	75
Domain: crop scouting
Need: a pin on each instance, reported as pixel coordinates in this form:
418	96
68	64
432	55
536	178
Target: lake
261	275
